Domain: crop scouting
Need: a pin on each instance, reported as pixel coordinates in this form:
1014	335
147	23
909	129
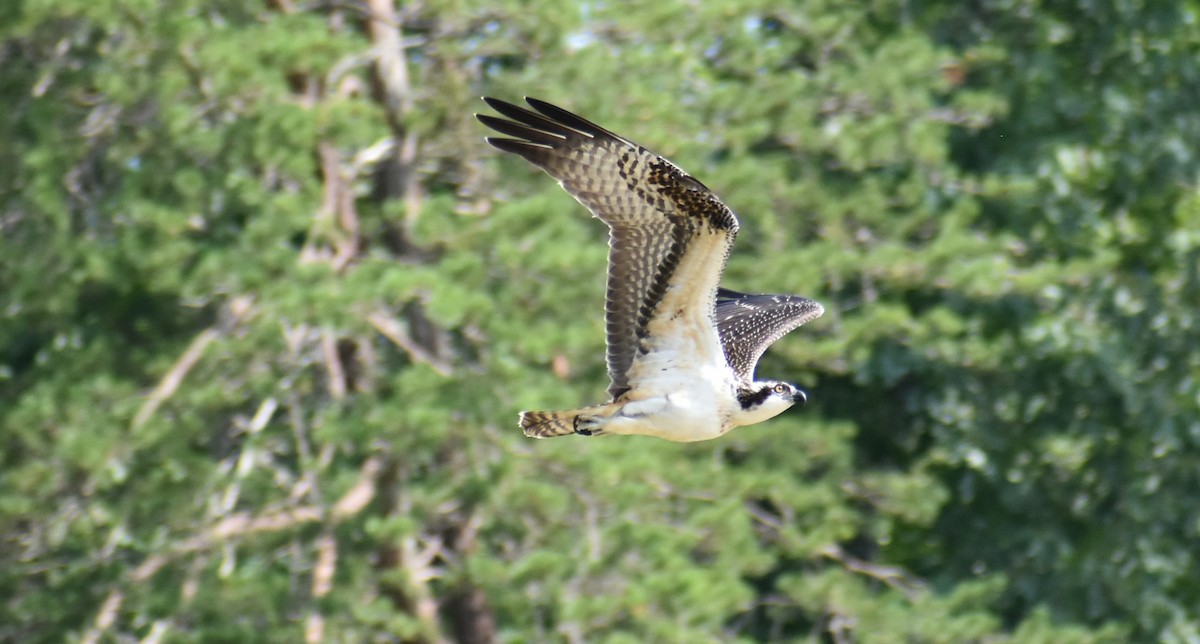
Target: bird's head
768	399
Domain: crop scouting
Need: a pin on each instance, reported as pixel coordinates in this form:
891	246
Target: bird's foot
588	425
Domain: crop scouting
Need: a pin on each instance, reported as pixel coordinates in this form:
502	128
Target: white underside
688	408
680	405
682	389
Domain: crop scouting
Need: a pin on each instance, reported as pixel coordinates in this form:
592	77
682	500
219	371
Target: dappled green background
268	308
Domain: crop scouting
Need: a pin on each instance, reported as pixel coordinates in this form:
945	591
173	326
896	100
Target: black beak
799	398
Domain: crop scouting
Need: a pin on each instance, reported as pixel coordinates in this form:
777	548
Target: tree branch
171	381
895	578
392	329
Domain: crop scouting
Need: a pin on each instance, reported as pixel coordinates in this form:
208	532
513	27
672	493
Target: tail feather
548	424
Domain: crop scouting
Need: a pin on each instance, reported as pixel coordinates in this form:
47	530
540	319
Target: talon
582	431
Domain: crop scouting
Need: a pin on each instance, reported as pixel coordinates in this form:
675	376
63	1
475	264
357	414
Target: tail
548	424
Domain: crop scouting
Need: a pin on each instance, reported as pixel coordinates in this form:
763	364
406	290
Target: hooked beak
799	398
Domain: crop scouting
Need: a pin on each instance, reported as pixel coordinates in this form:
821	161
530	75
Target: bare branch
105	617
149	567
391	64
243	523
371	156
314	628
392	329
336	206
326	564
171	381
418	564
358	496
333	365
263	416
384	26
157	632
236	310
895	578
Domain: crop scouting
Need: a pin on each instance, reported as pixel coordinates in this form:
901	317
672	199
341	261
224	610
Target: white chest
680	406
682	388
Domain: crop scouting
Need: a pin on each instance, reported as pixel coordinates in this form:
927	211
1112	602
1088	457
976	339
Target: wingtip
540	105
493	102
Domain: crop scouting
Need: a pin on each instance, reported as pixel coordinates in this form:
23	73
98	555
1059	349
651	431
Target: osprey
681	350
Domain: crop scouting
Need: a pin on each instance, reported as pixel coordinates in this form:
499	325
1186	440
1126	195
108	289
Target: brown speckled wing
748	324
653	209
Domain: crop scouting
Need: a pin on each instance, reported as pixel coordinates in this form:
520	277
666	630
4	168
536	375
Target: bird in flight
681	350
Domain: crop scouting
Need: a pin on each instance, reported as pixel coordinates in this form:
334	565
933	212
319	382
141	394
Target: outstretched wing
748	324
667	229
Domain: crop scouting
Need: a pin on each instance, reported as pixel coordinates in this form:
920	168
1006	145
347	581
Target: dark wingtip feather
532	152
530	119
520	131
569	119
493	102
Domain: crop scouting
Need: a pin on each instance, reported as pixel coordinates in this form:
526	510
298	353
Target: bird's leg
588	425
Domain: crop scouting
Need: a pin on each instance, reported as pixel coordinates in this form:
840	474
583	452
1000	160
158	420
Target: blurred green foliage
268	307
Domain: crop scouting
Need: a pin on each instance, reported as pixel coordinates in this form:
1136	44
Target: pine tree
269	305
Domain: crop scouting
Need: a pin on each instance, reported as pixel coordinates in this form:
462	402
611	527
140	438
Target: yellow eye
781	388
